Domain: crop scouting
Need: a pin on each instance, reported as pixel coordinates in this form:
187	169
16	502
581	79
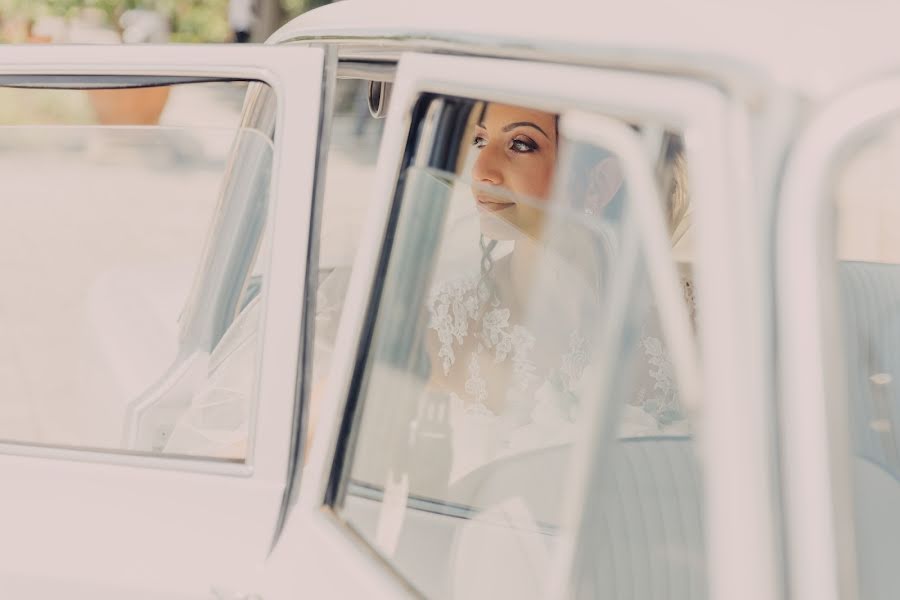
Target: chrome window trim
713	124
372	70
749	82
430	505
815	439
125	458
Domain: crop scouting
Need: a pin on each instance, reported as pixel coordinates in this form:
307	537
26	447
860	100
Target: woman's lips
492	204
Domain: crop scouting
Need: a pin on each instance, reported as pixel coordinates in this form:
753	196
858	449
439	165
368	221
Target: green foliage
67	8
296	7
197	20
192	20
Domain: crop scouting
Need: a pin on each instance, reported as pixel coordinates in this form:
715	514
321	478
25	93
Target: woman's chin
495	227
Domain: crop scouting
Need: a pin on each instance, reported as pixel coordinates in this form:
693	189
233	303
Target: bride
511	344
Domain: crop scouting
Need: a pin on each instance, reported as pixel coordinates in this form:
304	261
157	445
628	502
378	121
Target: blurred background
136	22
141	21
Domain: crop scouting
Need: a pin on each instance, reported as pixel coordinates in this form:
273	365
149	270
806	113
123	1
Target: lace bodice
460	308
511	390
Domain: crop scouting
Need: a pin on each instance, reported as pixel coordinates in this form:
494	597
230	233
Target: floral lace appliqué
451	309
505	341
574	361
662	400
493	332
457	310
476	386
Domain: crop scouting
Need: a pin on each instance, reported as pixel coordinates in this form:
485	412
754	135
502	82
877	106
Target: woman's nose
488	166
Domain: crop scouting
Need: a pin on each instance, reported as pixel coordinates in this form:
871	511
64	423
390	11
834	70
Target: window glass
865	192
109	222
202	104
485	358
350	173
642	531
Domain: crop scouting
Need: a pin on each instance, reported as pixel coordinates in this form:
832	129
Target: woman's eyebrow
512	126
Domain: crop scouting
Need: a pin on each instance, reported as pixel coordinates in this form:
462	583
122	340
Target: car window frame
135	61
815	438
335	69
648	242
703	112
206	493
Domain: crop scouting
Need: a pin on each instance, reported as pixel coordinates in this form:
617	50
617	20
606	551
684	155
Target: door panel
837	292
101	520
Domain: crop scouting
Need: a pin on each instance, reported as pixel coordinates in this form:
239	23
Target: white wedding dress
543	399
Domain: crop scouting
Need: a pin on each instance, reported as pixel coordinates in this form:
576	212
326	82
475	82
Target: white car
469	300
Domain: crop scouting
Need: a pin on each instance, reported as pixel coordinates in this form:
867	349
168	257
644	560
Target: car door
837	274
398	484
134	468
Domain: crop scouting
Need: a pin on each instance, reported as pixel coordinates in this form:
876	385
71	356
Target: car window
864	195
350	173
112	197
483	359
641	531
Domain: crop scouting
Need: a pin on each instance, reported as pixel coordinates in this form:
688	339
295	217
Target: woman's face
516	152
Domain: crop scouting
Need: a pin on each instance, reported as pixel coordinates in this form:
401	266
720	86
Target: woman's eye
479	141
523	145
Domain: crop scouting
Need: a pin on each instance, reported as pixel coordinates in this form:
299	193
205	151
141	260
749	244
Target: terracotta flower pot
132	106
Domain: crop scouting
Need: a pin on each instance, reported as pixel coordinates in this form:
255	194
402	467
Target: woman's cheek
545	185
530	220
531	174
543	174
534	182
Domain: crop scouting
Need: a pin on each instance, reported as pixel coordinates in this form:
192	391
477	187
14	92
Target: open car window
121	315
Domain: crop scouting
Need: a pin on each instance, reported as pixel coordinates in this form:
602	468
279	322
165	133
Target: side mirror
379	98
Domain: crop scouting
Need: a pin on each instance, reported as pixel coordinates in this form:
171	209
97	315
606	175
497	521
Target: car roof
814	47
